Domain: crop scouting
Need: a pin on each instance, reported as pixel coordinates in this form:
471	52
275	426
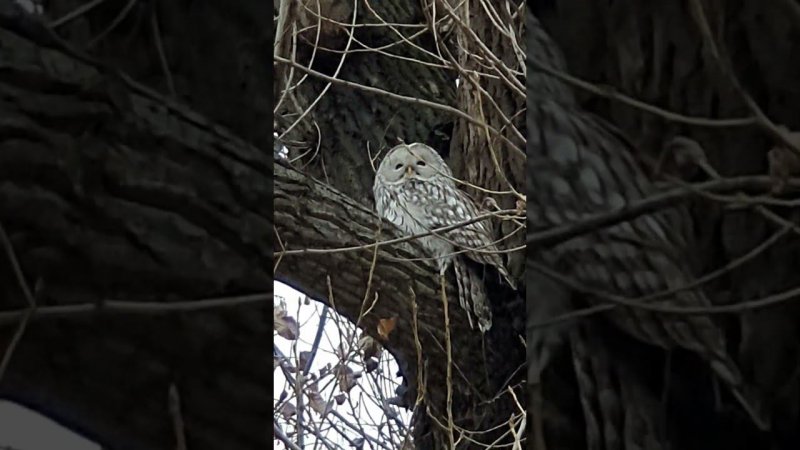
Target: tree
396	79
714	73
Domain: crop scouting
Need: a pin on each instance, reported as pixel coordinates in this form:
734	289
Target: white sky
360	406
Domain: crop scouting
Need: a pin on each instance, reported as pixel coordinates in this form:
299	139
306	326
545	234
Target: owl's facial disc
411	162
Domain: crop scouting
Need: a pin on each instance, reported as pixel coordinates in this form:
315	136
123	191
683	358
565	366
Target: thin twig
29	297
613	94
317	338
162	56
418	347
15	266
696	283
114	23
75	13
650	204
130	307
404	98
15	341
306	251
174	406
281	435
372	265
617	300
724	65
449	352
334	77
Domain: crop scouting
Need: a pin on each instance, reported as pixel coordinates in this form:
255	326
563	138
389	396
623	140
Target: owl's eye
398	167
421	163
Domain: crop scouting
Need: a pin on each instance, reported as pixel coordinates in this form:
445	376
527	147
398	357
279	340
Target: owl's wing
382	196
475	237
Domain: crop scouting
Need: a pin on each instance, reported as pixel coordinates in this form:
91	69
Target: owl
415	190
579	166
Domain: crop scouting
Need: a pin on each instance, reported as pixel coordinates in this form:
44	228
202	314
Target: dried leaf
285	325
346	377
288	410
340	398
325	371
358	443
369	346
520	205
283	396
318	404
279	310
385	327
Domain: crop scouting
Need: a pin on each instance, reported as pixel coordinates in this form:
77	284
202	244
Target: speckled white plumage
415	190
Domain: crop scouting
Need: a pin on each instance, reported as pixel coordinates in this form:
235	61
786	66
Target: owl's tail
701	335
750	400
472	295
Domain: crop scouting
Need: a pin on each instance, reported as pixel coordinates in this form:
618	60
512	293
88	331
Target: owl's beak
409	170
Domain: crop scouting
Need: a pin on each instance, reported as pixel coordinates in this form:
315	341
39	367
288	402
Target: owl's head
412	162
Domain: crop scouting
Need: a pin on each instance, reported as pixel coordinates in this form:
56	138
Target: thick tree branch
310	213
